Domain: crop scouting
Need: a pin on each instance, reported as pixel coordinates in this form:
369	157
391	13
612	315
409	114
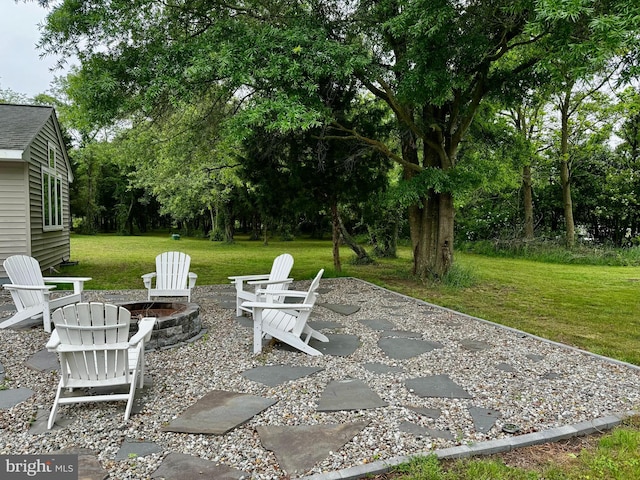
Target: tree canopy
430	62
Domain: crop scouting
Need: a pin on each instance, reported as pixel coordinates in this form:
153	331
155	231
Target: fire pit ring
176	321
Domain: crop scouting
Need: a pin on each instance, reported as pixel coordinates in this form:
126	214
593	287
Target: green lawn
592	307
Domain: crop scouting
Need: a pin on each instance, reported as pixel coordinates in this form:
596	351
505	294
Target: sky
21	68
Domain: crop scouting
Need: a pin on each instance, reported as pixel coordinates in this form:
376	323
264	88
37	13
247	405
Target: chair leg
54	408
132	394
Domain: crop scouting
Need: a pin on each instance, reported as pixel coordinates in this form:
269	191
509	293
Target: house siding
14	215
49	247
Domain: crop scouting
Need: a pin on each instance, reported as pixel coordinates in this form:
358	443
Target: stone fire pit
176	321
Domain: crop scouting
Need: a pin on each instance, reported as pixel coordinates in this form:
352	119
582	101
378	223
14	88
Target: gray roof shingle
19	124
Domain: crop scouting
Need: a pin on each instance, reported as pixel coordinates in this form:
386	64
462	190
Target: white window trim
52	202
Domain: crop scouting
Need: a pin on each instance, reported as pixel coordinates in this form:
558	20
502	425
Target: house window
51	193
52	156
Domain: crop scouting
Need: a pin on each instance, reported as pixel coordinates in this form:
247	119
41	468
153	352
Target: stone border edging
491	446
483	448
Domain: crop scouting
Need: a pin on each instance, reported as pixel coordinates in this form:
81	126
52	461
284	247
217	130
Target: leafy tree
432	62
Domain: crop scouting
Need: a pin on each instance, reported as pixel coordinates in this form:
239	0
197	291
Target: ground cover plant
593	307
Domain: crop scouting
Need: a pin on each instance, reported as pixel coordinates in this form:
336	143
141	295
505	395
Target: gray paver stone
43	361
89	467
340	345
299	448
13	396
483	418
403	348
427	412
378	324
474	345
137	449
436	386
188	467
218	412
420	431
351	394
505	367
341	309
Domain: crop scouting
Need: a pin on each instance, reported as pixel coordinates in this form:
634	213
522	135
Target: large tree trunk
362	257
565	174
335	230
528	202
431	223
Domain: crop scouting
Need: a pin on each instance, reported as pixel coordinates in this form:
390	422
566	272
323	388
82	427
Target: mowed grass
595	308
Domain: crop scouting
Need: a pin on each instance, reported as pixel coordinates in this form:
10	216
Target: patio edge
489	447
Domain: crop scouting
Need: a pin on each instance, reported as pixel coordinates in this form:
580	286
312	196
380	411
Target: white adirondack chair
287	321
172	274
276	280
30	293
92	342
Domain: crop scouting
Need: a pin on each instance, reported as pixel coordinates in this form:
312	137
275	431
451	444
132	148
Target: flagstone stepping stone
551	376
341	309
322	290
420	431
246	322
534	357
427	412
381	368
323	325
7	309
440	386
299	448
350	394
89	467
483	418
188	467
339	345
227	304
474	345
400	334
131	449
1	373
43	361
39	423
277	374
505	367
378	324
13	396
403	348
218	412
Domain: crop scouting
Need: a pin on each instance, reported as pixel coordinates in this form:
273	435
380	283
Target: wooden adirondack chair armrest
238	279
145	327
192	279
66	279
281	293
78	282
270	282
53	342
147	277
278	306
44	288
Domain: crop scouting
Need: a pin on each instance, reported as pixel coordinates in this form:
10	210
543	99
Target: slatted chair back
172	270
24	270
94	346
